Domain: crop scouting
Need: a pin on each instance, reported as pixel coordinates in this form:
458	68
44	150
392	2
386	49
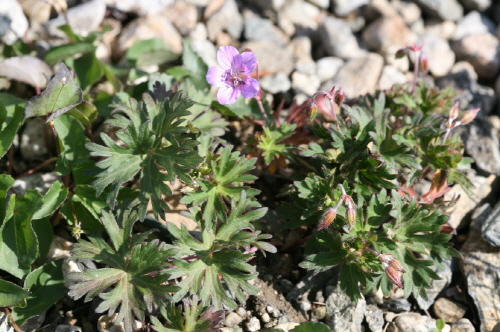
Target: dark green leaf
54	197
311	327
61	94
11	294
8	127
63	52
71	135
88	70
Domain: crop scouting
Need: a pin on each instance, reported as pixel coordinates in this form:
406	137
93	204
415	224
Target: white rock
473	23
275	83
303	83
140	7
338	39
390	76
13	23
253	324
327	67
83	18
441	57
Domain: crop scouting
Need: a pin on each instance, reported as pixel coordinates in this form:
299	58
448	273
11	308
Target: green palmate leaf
18	241
9	123
228	173
72	141
270	141
62	94
154	143
218	259
11	294
206	120
135	279
193	317
46	285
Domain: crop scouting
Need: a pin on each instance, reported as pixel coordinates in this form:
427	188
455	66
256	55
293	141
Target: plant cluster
357	170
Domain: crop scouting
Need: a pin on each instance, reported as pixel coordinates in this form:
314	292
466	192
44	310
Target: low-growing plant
364	165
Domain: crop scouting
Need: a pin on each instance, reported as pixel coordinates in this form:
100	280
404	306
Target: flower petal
251	88
227	95
225	56
216	76
249	61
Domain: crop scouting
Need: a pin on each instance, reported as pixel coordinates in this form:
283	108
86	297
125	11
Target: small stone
227	18
285	327
411	322
280	62
462	325
444	30
298	14
13	23
344	315
265	317
275	83
302	83
328	67
443	9
480	5
38	181
343	8
184	16
318	312
482	51
474	23
338	39
33	323
375	318
33	146
5	323
258	28
491	227
241	311
440	55
68	328
83	18
387	35
481	268
305	306
253	324
139	7
269	309
391	76
408	11
148	27
359	76
448	310
398	305
233	319
445	273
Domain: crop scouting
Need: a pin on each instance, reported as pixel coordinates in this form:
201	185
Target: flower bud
327	218
393	276
401	53
424	64
395	264
453	111
469	116
312	110
351	215
339	97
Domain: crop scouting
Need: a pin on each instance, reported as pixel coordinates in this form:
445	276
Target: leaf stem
33	170
12	321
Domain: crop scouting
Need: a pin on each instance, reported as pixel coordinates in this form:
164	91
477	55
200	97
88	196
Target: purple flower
232	75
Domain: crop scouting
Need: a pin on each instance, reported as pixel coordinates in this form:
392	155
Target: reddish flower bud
395	264
393	276
424	64
469	116
327	218
453	111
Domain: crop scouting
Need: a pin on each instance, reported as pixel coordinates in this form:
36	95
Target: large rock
359	76
226	18
482	50
387	34
272	57
344	315
474	23
443	9
481	269
13	23
83	18
441	57
338	39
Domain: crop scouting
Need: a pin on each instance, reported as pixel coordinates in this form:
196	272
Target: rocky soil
302	47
